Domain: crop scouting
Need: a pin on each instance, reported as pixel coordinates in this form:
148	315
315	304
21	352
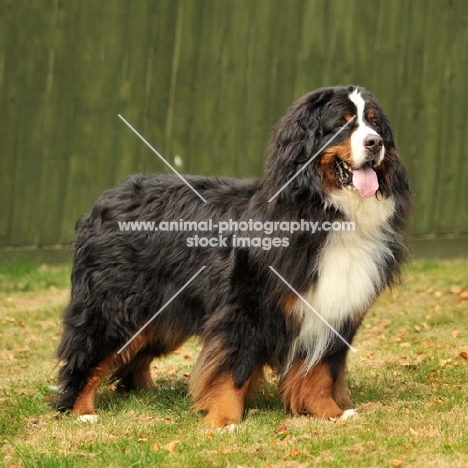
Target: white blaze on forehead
359	102
362	131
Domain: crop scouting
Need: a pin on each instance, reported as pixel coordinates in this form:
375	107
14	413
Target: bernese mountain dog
294	307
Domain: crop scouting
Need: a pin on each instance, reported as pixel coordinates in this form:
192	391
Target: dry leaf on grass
463	355
293	453
397	462
462	295
171	447
282	429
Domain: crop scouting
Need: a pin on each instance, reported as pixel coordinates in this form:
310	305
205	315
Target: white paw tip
88	418
348	414
230	428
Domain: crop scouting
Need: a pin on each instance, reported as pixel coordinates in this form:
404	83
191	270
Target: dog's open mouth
363	179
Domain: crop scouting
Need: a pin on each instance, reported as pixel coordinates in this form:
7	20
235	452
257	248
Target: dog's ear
296	137
386	131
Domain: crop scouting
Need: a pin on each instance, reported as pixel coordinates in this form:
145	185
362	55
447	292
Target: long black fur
120	279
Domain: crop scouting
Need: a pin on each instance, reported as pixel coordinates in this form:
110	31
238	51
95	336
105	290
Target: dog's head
335	139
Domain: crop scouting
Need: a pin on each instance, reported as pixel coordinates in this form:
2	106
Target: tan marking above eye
348	117
370	114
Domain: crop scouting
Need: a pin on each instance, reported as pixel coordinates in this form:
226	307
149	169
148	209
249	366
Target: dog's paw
88	418
348	414
230	428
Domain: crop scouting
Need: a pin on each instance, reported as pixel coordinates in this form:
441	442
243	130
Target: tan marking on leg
84	404
224	402
216	393
340	390
311	392
205	370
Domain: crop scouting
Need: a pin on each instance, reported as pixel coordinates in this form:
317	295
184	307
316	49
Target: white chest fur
349	272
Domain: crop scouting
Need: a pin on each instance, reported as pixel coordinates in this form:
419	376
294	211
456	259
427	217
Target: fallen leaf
282	429
397	462
293	453
224	451
463	355
462	295
454	334
171	446
155	447
167	420
209	435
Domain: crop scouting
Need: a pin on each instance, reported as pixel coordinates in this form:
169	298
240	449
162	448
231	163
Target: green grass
408	383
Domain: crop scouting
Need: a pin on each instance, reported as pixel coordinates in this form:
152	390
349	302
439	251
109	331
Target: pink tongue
365	180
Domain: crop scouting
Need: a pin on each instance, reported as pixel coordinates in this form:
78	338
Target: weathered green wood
56	124
160	55
181	110
410	113
453	126
10	48
84	131
429	163
233	89
265	19
459	208
32	77
203	153
207	80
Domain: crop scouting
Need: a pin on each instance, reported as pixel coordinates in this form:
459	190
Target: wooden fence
205	81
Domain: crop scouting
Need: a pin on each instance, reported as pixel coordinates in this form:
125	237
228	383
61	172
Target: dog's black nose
373	143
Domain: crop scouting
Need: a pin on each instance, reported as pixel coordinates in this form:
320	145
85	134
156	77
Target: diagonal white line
161	309
157	154
312	309
311	159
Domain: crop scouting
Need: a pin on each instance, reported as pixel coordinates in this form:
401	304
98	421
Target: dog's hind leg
137	374
78	385
84	403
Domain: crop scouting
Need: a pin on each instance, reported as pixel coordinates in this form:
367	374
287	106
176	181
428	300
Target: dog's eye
375	124
339	125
